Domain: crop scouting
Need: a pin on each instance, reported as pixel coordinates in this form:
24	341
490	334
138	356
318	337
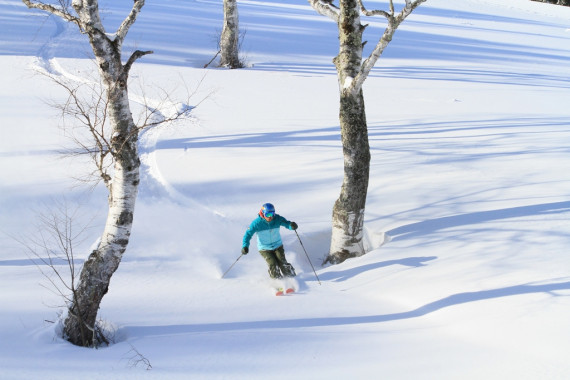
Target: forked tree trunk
104	261
229	40
80	323
348	210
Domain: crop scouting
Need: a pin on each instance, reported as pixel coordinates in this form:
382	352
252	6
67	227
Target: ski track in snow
471	196
151	173
46	62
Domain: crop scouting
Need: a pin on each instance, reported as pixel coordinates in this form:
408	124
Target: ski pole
314	271
230	268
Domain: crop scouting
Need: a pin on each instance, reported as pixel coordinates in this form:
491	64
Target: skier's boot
288	270
274	271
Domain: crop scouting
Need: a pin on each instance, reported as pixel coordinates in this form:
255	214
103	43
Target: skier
269	243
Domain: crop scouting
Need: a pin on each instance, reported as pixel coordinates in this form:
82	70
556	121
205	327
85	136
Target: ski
283	291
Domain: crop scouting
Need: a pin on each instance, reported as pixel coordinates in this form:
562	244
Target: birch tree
352	71
122	182
557	2
229	40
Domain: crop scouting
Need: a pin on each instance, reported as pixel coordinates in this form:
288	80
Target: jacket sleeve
284	222
249	234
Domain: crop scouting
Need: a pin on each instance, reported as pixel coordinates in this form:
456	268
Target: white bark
229	40
79	326
349	208
326	8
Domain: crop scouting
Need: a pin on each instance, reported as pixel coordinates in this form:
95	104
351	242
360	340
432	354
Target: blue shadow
450	301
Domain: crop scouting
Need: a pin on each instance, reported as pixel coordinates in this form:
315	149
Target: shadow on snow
430	226
452	300
339	276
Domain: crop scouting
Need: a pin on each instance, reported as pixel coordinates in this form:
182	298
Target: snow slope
467	218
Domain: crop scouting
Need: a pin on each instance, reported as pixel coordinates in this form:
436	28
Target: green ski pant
278	265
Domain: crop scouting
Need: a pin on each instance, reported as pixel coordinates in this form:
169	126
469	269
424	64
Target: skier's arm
287	224
248	235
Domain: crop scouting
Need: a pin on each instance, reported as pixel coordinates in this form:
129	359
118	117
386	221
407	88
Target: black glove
294	225
244	250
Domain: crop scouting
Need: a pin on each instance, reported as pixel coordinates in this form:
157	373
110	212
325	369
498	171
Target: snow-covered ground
467	219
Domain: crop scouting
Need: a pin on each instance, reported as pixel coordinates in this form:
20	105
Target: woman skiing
269	243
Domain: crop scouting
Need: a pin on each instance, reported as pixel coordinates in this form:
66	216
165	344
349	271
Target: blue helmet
268	210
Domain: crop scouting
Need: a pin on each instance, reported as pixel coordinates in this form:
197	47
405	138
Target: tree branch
127	22
377	12
393	23
63	13
326	8
136	55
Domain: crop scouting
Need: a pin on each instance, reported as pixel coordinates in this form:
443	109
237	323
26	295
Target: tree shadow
39	261
339	276
317	137
432	225
452	300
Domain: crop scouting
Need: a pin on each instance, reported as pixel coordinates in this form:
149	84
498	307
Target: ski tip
281	291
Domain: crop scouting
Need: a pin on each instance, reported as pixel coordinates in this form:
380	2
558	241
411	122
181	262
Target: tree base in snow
338	257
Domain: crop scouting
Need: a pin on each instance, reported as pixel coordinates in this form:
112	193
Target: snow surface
467	219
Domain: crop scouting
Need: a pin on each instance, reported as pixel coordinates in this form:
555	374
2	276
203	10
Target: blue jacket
268	236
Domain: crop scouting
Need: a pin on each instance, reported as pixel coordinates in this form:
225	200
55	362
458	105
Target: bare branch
167	110
128	22
378	12
53	246
62	12
393	23
326	8
137	358
85	110
136	55
212	60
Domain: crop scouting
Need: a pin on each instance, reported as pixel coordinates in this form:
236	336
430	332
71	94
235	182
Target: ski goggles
270	214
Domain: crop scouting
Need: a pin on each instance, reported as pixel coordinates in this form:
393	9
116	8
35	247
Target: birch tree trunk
349	208
79	325
123	189
229	40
